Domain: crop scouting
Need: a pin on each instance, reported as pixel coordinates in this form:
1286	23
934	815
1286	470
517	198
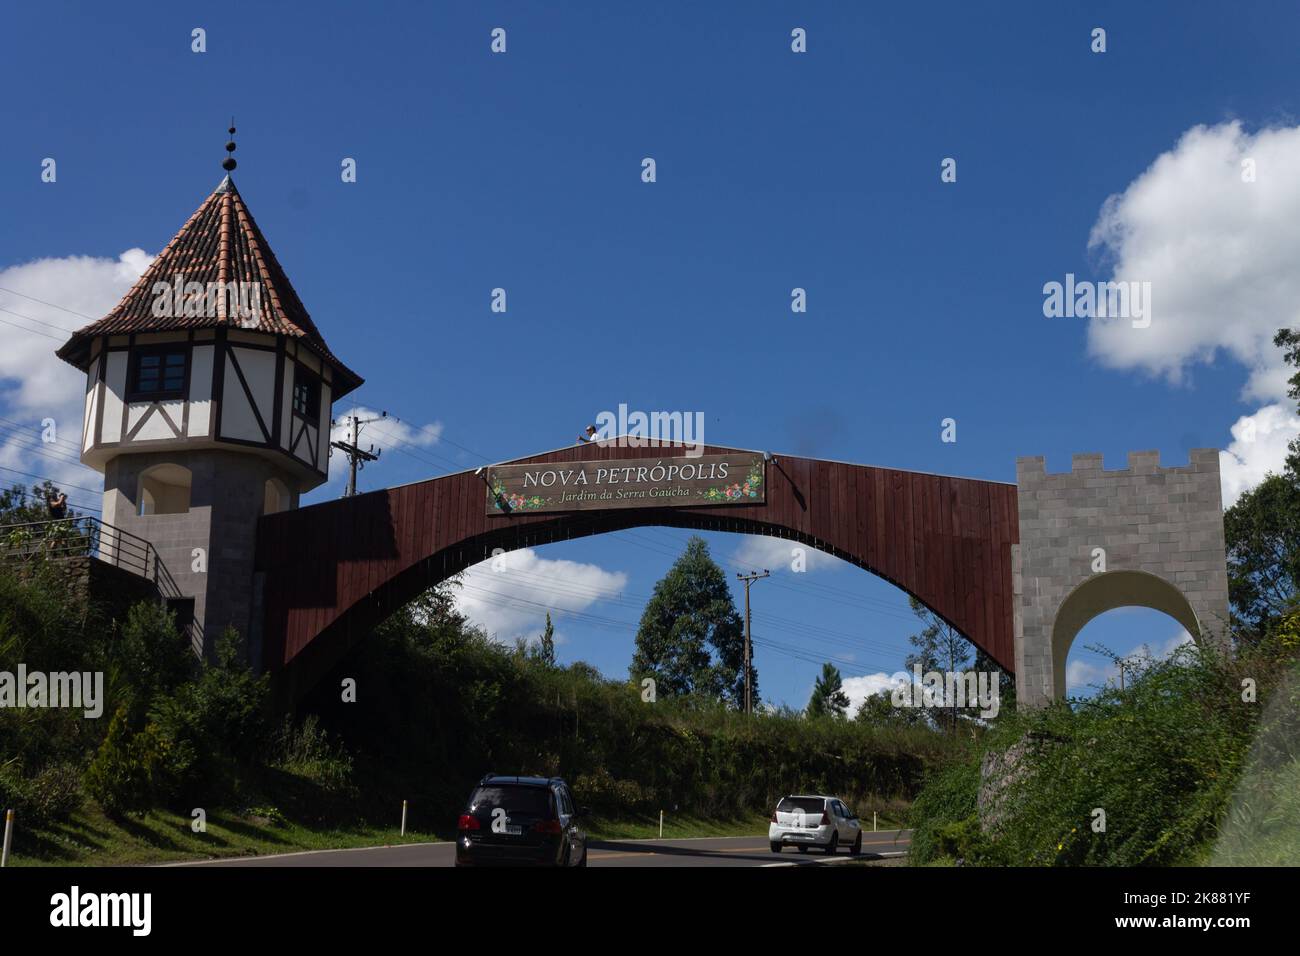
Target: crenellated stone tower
1092	540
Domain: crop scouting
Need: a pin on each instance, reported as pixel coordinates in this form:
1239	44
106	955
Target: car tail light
826	818
774	819
468	822
546	826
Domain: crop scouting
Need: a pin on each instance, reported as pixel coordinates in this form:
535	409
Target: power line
38	427
80	507
769	622
56	338
92	491
418	452
772	623
52	305
851	667
625	627
29	446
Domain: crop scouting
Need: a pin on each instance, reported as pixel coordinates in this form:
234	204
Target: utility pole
749	579
354	453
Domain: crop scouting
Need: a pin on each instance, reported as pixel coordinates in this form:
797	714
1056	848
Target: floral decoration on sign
749	488
505	500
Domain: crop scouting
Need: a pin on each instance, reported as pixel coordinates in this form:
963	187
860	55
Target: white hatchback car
820	821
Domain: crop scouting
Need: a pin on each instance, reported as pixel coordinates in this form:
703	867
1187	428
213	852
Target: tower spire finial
229	163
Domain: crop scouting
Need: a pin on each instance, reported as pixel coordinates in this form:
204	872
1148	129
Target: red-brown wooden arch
334	570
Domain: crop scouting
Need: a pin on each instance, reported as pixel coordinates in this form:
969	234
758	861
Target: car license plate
514	829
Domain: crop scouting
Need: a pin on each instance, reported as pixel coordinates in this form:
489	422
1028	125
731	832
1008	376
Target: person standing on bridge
590	437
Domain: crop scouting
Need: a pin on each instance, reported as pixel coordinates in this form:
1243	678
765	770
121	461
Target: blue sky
774	171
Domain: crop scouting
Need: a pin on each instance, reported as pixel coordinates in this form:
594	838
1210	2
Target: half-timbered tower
208	397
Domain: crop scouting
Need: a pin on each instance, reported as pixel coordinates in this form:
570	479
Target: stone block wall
1160	535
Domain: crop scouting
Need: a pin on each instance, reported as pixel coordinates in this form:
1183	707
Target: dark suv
521	821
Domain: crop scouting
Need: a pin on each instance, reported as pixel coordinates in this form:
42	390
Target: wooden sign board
738	479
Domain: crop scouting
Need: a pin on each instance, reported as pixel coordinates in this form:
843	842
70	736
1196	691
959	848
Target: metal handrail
85	536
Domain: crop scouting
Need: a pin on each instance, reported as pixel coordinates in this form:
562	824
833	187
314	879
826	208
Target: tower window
158	374
306	394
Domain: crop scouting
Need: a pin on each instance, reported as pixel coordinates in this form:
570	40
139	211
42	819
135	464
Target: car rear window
514	798
806	804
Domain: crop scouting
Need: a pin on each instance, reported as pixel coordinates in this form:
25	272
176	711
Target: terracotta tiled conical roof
219	244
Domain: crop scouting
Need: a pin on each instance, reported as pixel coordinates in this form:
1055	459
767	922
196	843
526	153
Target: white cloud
1082	675
1168	647
1220	255
1259	445
763	551
512	600
860	688
34	384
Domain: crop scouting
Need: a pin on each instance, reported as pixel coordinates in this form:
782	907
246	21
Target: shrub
130	771
214	727
150	654
1159	759
306	751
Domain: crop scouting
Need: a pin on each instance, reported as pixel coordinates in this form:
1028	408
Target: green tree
691	640
1263	537
18	506
985	664
828	698
125	773
939	647
879	709
151	655
1288	340
544	651
214	727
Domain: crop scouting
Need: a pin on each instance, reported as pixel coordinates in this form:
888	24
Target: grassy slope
90	838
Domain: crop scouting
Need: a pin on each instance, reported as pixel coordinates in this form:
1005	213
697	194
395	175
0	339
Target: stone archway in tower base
1093	539
1106	592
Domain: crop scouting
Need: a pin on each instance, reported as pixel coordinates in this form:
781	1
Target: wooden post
749	579
9	835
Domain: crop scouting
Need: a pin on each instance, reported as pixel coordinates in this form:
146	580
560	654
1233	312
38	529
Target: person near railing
57	505
57	529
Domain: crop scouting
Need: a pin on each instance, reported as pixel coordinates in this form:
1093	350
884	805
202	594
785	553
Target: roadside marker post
403	818
873	821
9	835
661	824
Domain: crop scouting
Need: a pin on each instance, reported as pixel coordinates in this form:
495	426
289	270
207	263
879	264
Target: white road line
451	843
840	859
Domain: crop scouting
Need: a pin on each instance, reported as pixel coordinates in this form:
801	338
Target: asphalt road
707	851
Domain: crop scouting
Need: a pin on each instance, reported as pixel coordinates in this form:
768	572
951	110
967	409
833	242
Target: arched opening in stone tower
164	490
276	497
1133	614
